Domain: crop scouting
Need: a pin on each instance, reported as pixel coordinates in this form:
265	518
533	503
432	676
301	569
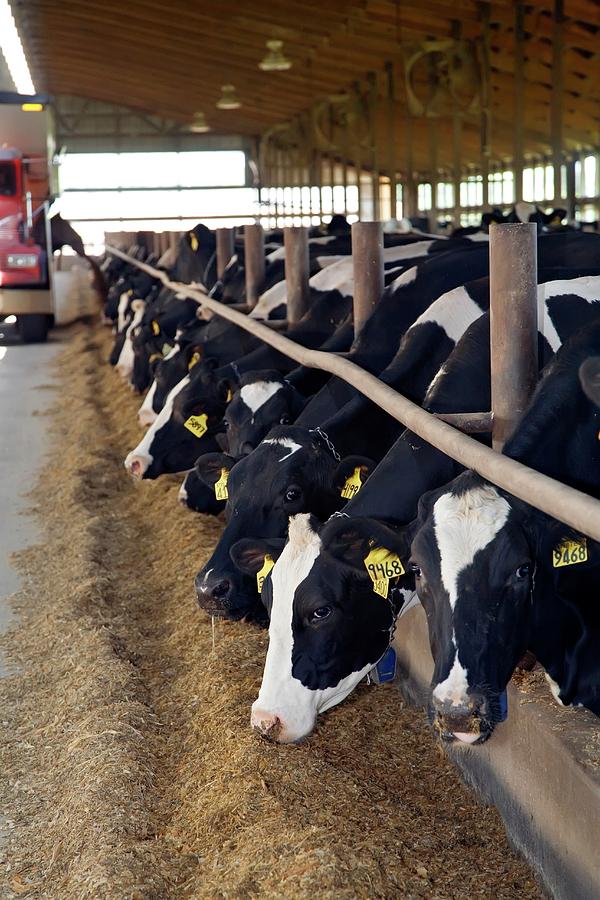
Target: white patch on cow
146	413
554	688
336	277
324	261
257	394
281	695
454	311
142	454
454	688
464	524
291	445
126	359
587	287
121	310
280	252
478	236
407	277
182	494
168	258
275	296
406	251
524	210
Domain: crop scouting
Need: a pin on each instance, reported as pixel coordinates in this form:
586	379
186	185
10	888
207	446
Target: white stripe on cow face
146	414
464	524
257	394
285	709
141	458
121	310
407	277
288	443
126	357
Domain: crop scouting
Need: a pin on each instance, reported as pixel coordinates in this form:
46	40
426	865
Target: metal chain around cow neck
329	444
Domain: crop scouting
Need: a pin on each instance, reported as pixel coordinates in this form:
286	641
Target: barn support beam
225	248
513	324
519	99
367	261
297	271
556	103
254	261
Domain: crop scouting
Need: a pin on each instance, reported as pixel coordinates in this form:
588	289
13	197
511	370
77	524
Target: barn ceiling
171	59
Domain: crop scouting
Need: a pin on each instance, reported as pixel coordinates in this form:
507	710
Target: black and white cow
497	578
381	515
463	386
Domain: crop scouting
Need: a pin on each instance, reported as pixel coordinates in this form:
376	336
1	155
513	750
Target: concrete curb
541	769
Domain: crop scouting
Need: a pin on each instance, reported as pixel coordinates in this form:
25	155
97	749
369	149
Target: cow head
185	427
197	495
292	470
474	563
264	399
329	622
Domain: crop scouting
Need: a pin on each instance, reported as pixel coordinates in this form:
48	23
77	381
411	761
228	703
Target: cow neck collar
329	444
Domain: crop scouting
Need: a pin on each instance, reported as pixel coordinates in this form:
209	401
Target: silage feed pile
128	768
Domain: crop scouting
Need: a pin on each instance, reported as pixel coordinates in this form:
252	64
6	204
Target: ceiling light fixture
199	125
275	61
12	50
228	99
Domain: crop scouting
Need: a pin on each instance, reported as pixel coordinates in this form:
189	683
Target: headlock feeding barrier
541	767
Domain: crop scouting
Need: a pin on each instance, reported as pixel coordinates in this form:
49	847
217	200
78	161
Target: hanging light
275	61
228	99
199	125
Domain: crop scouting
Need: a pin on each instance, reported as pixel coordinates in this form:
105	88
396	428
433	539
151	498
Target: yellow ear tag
155	327
193	241
353	485
569	553
194	359
197	424
599	435
266	568
381	565
154	357
221	492
230	395
130	292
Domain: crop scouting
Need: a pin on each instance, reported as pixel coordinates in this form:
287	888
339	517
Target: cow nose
267	724
212	593
221	589
135	465
146	417
459	721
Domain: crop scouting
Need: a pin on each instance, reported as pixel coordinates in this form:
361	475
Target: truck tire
33	328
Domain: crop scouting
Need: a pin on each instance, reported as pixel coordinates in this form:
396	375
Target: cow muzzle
147	417
267	725
213	593
137	465
466	722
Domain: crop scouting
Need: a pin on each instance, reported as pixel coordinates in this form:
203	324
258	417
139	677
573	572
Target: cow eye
292	494
323	612
225	423
523	571
416	570
284	420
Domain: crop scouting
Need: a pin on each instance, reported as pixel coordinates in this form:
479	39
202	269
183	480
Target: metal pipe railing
564	503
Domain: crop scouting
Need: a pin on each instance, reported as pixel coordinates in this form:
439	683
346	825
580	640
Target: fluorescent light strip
12	49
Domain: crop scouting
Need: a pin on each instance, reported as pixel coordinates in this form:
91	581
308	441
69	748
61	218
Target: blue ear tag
385	670
503	705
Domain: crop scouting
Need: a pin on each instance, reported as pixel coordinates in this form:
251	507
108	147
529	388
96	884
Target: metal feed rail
564	503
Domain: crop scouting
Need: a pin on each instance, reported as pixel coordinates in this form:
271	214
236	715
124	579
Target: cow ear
589	377
350	475
249	554
425	505
351	540
226	389
209	467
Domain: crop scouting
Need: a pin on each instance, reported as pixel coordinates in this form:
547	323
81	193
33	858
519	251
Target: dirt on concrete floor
127	765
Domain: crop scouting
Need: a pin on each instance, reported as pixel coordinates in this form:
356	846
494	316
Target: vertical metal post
571	190
391	122
367	260
556	101
296	272
254	261
513	324
519	99
174	240
225	245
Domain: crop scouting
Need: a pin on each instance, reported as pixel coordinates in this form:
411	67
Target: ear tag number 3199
221	492
262	574
353	485
197	424
569	553
382	565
